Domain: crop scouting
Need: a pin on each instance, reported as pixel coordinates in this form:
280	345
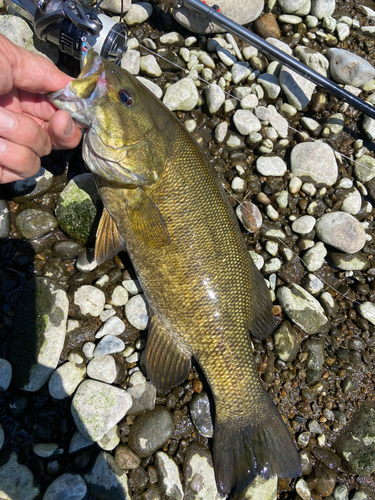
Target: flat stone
68	487
348	68
65	380
341	231
315	161
89	300
298	90
270	166
181	96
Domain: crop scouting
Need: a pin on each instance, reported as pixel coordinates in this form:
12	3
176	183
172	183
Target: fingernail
6	120
68	130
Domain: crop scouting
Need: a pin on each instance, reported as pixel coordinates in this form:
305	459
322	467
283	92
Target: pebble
221	131
150	431
364	169
341	492
304	224
271	166
246	122
249	102
181	96
126	458
89	301
352	202
65	380
267	26
36	345
314	59
199	474
169	475
17	481
298	90
343	31
116	5
153	87
240	71
199	408
88	349
31	188
314	257
98	407
341	231
287	342
280	45
270	84
302	308
149	66
214	97
34	222
4	219
131	61
367	311
5	374
322	8
102	369
68	487
143	396
278	122
250	216
313	284
261	488
78	442
298	7
368	126
314	160
348	68
136	311
109	344
349	262
303	490
112	326
138	13
106	480
110	440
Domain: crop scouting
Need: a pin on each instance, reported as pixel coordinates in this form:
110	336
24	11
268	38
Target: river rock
364	168
302	308
287	343
34	222
246	122
17	481
102	369
341	231
68	487
348	68
115	6
169	475
250	216
270	166
314	160
297	7
314	257
314	59
65	380
97	407
298	90
106	480
181	96
137	312
109	344
143	397
5	374
200	413
39	329
138	13
214	97
88	301
199	474
349	262
240	11
322	8
367	311
31	188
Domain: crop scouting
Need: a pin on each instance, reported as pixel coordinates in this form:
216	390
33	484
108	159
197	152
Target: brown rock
322	480
126	458
266	26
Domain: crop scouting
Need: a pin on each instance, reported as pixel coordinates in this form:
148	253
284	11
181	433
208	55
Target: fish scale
204	291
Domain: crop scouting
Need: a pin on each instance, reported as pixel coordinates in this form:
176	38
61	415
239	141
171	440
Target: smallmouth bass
164	204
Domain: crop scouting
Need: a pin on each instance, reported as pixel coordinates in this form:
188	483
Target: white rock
341	231
314	160
149	66
136	311
314	257
109	344
113	326
322	8
169	476
246	122
138	13
181	96
155	89
270	166
65	380
131	61
214	97
367	311
304	224
115	5
90	300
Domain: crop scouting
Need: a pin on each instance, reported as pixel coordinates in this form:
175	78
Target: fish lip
69	100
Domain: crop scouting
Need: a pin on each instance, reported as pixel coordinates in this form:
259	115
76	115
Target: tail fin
265	448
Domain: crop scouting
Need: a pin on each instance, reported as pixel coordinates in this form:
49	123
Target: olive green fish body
163	201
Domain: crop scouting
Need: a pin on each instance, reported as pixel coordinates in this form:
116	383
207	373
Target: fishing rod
213	15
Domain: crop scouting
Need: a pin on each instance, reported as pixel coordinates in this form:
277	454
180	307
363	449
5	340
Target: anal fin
109	241
167	365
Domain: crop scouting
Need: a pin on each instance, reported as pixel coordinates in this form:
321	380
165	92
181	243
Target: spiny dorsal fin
109	241
262	322
167	365
146	219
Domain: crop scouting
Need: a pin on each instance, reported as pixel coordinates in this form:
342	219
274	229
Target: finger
31	71
22	130
63	131
17	162
11	101
6	74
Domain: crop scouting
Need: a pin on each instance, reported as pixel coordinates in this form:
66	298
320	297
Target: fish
164	204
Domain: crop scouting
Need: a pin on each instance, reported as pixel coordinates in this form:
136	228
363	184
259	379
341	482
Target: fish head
122	141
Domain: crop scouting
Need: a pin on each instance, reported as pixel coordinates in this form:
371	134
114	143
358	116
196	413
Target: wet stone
66	250
126	458
287	342
199	408
322	480
89	301
341	492
17	481
214	97
302	308
250	216
138	13
65	380
151	431
39	329
349	262
364	168
356	446
143	396
315	354
34	222
169	475
341	231
67	486
107	480
5	374
266	489
98	407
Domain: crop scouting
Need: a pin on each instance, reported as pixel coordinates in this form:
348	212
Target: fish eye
126	97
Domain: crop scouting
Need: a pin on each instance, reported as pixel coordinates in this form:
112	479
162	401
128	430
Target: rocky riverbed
78	417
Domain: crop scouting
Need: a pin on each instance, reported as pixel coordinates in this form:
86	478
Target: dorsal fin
167	364
109	241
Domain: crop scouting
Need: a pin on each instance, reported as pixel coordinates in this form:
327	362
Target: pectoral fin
146	220
109	241
167	365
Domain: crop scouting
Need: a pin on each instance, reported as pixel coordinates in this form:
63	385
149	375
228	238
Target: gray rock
137	312
132	286
364	168
341	231
298	7
199	408
314	257
315	60
367	311
315	355
106	480
126	458
287	342
78	442
313	284
356	445
270	84
97	407
181	96
302	308
169	475
368	126
39	329
110	440
225	56
150	431
155	89
89	300
2	436
335	123
240	71
214	97
66	249
31	188
348	68
221	131
5	374
270	166
278	122
322	8
138	13
68	487
314	160
352	202
149	66
199	474
131	61
250	216
65	380
112	326
115	5
240	11
143	396
109	344
349	262
280	45
17	481
102	369
4	219
76	207
298	90
34	222
246	122
304	224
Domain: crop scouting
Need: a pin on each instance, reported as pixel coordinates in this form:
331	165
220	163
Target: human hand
30	125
